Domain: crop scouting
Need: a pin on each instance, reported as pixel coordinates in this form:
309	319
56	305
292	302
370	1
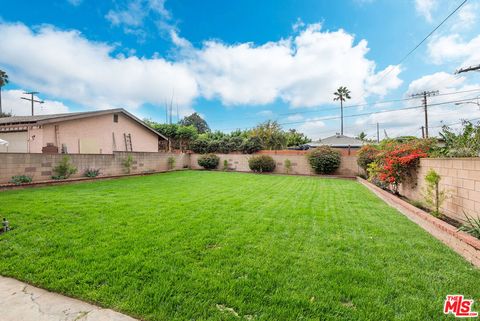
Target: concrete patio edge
462	243
22	302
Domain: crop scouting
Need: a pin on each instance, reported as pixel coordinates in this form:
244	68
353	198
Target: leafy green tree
270	134
239	133
236	143
3	82
198	122
167	130
251	145
295	138
465	143
362	136
200	145
342	94
186	134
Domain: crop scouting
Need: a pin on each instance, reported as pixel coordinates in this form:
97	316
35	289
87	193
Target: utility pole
378	133
467	69
426	94
423	131
32	99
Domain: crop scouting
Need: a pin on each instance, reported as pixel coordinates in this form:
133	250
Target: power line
363	114
456	123
423	40
353	106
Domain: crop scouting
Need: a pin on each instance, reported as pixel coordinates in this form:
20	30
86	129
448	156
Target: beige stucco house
95	132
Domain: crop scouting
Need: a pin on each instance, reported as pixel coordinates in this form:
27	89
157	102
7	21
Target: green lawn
198	245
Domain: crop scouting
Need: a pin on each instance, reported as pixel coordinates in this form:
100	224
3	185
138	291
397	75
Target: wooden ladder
128	142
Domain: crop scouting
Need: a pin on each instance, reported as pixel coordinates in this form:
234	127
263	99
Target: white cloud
452	48
75	2
466	16
408	121
12	103
64	64
303	71
441	81
425	8
132	15
265	113
312	127
295	117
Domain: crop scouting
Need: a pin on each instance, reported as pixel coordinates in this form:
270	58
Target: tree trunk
341	116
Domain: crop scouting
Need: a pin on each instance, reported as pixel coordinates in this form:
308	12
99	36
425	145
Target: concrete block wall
460	179
40	166
300	165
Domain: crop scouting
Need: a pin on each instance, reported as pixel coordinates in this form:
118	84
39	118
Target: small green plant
261	164
20	179
288	166
225	165
91	172
433	196
127	163
171	163
471	225
208	161
64	169
324	160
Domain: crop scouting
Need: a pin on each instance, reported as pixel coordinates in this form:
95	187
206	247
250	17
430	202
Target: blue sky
242	62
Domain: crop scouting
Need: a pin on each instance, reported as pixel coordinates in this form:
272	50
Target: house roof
338	141
55	118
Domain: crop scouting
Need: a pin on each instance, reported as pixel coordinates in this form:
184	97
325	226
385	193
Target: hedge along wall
300	165
40	166
460	179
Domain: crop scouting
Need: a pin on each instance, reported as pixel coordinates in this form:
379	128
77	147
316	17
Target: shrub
397	161
224	145
288	166
91	172
225	165
171	162
208	161
324	160
213	146
20	179
261	163
465	143
64	169
236	143
199	146
366	155
433	196
471	225
251	145
127	163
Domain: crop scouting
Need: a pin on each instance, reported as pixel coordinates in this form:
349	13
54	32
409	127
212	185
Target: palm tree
342	94
3	82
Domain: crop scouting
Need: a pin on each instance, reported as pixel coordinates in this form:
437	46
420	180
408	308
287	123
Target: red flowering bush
397	161
366	155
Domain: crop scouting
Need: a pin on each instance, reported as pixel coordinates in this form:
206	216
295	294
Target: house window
115	118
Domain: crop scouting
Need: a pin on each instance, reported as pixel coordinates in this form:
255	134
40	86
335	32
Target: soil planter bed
461	242
10	186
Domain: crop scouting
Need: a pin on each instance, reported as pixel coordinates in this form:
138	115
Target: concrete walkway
23	302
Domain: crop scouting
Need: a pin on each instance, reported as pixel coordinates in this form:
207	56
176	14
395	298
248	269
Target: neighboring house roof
338	141
55	118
